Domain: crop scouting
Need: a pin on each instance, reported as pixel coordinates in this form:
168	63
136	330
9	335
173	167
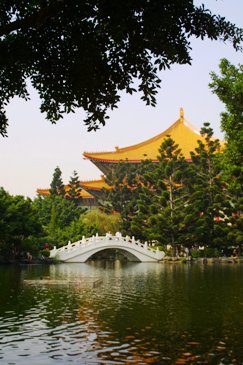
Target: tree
57	186
56	214
235	234
164	197
74	192
102	222
140	221
209	207
18	224
4	204
59	213
83	53
229	88
126	185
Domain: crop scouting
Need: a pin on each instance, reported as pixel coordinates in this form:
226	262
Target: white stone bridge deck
82	250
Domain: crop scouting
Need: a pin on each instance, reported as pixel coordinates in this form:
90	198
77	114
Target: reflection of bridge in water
82	250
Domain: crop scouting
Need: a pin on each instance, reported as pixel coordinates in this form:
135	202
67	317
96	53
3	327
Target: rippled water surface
113	313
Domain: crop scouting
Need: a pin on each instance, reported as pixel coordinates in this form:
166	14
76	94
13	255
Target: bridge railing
84	242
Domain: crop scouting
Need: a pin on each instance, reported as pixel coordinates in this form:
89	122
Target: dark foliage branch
84	53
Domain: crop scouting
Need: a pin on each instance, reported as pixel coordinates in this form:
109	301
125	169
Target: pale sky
34	146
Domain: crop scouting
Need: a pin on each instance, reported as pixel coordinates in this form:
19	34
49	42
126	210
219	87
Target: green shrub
196	253
45	252
161	248
211	252
207	252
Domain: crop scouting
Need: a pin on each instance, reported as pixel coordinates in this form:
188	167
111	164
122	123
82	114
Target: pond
109	312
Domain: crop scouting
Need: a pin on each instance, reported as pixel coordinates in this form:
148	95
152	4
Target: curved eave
84	194
130	161
182	132
43	192
117	161
95	185
92	188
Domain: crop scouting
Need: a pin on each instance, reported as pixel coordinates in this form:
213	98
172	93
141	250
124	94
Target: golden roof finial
181	114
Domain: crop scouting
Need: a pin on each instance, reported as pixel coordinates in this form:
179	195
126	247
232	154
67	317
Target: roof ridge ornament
181	114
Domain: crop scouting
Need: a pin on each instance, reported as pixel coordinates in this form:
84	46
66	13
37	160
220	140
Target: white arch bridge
82	250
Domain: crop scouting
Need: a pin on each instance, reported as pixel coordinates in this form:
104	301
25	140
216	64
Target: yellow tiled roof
84	194
95	184
185	135
43	192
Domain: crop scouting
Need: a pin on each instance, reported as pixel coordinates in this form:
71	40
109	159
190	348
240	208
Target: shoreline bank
203	260
166	260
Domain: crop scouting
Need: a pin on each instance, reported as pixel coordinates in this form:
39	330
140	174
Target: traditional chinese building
95	187
181	131
88	199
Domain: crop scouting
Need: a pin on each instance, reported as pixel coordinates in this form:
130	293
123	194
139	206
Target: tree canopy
83	53
18	224
178	202
164	195
57	186
228	86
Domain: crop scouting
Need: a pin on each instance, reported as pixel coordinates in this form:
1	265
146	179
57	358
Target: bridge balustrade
108	240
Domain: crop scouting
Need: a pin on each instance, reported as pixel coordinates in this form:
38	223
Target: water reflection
138	314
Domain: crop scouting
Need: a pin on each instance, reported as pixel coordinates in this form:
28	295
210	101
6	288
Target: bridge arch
127	255
82	250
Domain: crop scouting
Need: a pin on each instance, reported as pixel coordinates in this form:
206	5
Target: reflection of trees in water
10	277
180	313
14	296
141	312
